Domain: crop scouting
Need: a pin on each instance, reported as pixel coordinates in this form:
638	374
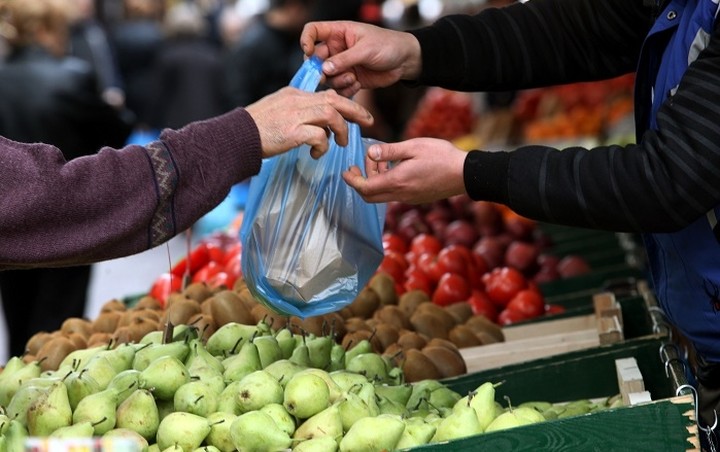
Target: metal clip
708	430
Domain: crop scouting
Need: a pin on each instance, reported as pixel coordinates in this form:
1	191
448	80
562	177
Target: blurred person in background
664	186
267	55
48	97
187	73
136	40
89	41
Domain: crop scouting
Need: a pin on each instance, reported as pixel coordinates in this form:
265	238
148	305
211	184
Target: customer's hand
291	117
358	55
415	171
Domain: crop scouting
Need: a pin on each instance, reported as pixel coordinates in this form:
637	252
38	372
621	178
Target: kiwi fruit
336	325
99	338
198	291
247	298
262	313
486	338
113	305
461	311
205	325
387	335
180	310
365	303
78	340
314	325
384	285
463	336
448	362
148	302
77	325
239	285
36	341
429	324
393	315
346	312
447	320
410	300
356	324
226	306
54	351
106	322
411	340
123	335
481	323
395	353
28	358
437	342
417	367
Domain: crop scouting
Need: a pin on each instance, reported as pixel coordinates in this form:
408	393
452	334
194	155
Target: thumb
344	61
387	152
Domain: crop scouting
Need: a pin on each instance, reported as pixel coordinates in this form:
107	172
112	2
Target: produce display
247	388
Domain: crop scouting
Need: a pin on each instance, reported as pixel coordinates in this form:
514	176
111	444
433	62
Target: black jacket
56	101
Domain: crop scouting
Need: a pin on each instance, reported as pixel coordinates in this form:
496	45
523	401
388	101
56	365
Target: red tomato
552	309
393	264
164	285
198	258
481	305
215	252
232	252
502	283
220	278
451	288
210	269
233	267
528	302
394	242
427	263
508	317
425	243
416	279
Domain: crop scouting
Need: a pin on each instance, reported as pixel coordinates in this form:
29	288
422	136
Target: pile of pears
244	388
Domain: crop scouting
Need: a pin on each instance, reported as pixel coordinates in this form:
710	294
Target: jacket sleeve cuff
486	176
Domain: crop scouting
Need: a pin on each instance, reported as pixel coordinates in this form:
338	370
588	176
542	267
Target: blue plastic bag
310	242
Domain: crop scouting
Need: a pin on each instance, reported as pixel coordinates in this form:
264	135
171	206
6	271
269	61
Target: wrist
412	63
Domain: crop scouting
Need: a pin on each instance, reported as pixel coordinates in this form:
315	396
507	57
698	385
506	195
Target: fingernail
375	151
328	67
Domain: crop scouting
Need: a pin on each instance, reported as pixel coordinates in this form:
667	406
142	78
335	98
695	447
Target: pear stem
99	422
233	350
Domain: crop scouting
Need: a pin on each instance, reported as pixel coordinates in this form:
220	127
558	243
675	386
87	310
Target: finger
389	152
364	187
355	170
316	138
350	110
312	33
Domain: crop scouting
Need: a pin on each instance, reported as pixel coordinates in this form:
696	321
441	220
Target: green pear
207	449
153	337
174	448
121	357
319	444
125	383
228	398
101	370
284	420
99	409
77	359
207	375
389	406
226	338
131	437
366	392
346	380
15	437
255	431
219	436
417	432
397	393
200	357
286	341
80	430
306	395
164	376
373	434
372	365
483	402
4	423
444	397
151	352
185	430
515	418
79	385
244	362
139	413
196	397
319	348
50	411
301	355
462	422
422	389
337	357
257	390
153	448
283	370
164	407
269	350
325	423
334	390
362	347
11	382
351	408
22	400
538	405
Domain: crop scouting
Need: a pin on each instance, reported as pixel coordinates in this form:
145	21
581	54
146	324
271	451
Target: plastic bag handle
307	78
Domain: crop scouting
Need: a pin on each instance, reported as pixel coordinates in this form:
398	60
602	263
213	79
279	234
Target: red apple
522	255
460	232
572	265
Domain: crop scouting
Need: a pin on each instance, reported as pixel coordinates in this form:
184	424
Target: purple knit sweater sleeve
118	202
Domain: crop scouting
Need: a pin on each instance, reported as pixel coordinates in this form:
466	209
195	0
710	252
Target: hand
415	171
291	117
358	55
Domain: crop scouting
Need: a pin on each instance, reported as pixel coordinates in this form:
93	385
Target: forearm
118	202
538	43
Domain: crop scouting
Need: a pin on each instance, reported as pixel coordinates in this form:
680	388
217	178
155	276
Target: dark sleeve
538	43
662	184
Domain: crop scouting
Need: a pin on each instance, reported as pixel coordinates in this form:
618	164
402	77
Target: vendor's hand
291	117
415	171
358	55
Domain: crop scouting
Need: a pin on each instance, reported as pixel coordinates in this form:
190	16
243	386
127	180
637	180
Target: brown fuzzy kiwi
461	311
148	314
180	311
247	298
365	303
123	335
395	353
384	285
463	336
336	325
77	325
227	307
107	321
36	341
437	342
393	315
417	367
387	335
346	312
142	326
482	323
356	324
409	301
205	325
315	325
113	305
486	338
28	358
449	363
99	338
198	291
429	324
447	320
352	339
148	302
262	313
54	351
78	340
411	340
239	285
